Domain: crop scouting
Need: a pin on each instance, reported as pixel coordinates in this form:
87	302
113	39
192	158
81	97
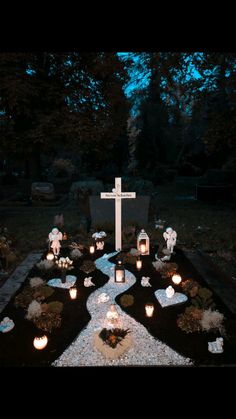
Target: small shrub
45	265
48	321
88	266
189	321
190	287
25	297
34	310
43	292
203	299
55	307
127	300
36	282
75	254
212	320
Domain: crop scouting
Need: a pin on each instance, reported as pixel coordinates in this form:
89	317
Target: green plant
127	300
112	337
203	299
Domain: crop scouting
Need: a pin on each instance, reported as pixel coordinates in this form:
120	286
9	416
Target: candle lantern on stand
119	272
143	243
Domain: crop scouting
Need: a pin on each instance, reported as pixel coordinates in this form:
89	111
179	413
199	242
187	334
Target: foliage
43	292
190	320
169	269
88	266
212	320
36	282
34	310
63	168
75	254
190	287
54	307
113	337
25	297
127	300
48	321
45	265
203	299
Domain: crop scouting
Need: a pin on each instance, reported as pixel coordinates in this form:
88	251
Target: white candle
119	276
92	249
73	293
138	264
142	248
149	310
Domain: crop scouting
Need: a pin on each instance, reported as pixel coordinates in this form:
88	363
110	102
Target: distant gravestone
42	190
133	210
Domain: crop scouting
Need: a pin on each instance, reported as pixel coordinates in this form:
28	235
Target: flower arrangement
113	337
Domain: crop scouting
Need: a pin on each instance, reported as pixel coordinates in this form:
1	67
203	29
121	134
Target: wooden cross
118	196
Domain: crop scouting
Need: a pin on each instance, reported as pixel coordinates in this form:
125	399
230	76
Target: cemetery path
146	350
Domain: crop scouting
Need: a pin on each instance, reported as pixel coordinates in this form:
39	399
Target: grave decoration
99	239
217	346
64	264
149	309
119	274
40	342
143	243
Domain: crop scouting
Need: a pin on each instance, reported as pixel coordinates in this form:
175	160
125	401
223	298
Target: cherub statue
54	239
217	346
145	281
112	318
170	237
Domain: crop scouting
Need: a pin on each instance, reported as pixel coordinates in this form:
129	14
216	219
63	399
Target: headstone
82	189
42	190
133	211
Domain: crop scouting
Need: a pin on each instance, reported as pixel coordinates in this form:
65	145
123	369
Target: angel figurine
170	237
54	239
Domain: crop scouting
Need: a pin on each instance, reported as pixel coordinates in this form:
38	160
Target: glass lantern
119	272
143	244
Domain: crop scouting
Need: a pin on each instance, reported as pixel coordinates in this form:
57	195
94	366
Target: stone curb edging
18	276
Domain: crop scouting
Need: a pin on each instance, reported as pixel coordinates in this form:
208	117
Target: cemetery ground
200	226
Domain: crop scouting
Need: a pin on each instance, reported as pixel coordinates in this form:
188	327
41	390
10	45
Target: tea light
92	249
40	342
138	264
176	279
149	308
50	255
73	293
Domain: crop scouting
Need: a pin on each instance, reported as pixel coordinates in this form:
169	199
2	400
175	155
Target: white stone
56	282
177	298
145	281
217	346
118	196
6	325
103	298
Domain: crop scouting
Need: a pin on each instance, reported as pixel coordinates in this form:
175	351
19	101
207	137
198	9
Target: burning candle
138	264
176	279
149	308
50	255
40	342
73	293
119	276
92	249
142	248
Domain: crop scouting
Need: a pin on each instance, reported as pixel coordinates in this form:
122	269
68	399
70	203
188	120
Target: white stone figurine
170	291
217	346
54	238
88	282
170	237
6	325
100	245
145	281
103	298
112	318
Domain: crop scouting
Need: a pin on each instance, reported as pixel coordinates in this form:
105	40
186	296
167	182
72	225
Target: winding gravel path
146	350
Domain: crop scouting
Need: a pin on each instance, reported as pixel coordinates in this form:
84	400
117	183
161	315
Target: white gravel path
146	350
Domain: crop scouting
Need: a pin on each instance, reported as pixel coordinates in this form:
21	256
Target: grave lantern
50	255
119	272
149	308
40	342
143	244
